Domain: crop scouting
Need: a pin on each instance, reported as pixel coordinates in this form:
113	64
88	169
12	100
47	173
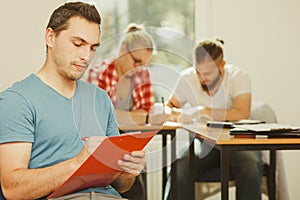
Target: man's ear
49	37
222	64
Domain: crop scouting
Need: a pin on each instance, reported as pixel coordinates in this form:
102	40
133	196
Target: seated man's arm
240	110
173	102
176	112
19	182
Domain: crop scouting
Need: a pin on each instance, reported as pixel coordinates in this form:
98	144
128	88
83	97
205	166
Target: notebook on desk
274	134
268	129
227	124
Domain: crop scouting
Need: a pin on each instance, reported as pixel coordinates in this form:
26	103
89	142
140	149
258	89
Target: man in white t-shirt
220	92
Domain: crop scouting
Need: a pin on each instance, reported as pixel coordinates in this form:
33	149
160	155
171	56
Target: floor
231	195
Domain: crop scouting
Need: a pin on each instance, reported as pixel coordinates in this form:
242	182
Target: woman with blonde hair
126	79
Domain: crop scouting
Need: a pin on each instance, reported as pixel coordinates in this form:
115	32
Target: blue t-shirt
31	111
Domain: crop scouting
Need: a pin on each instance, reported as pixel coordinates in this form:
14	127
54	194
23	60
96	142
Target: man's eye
76	44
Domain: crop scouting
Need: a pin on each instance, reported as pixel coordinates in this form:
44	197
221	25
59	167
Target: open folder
101	168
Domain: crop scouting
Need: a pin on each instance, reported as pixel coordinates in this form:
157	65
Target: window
170	22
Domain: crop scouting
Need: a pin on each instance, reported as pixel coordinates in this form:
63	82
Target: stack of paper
267	127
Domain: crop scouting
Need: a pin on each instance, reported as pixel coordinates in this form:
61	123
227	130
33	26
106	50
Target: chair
138	190
209	184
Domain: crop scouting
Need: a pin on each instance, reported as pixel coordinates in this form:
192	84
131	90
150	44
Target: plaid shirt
105	76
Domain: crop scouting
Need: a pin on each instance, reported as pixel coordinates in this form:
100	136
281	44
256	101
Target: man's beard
211	86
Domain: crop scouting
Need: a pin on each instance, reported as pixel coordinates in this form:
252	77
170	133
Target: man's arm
240	110
173	102
19	182
176	111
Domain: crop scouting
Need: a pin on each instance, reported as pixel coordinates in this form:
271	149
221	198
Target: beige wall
22	46
263	38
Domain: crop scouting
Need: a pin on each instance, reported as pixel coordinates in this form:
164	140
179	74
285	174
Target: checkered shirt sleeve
105	76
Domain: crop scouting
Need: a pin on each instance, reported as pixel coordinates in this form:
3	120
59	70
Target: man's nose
86	54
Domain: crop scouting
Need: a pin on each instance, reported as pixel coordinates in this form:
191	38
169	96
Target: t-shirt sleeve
182	89
110	122
112	127
241	83
16	118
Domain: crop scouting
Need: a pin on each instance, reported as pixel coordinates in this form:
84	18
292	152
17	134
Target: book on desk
254	128
227	124
270	130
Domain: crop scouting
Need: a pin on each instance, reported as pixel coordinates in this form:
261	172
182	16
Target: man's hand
90	146
133	163
187	115
175	115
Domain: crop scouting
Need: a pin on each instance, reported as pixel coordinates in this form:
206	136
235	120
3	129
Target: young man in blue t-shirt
43	117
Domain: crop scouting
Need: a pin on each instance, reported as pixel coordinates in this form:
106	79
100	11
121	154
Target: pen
85	139
163	103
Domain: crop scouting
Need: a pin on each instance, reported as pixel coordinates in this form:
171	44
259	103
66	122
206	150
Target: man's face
209	74
73	49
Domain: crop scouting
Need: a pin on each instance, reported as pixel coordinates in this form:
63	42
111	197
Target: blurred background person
126	79
220	92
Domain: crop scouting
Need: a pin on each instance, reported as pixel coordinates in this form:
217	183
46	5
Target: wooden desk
221	140
167	129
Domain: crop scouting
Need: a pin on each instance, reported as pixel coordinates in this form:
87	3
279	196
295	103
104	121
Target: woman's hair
59	19
137	38
209	49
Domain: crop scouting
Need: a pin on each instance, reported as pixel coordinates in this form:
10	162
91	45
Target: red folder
101	168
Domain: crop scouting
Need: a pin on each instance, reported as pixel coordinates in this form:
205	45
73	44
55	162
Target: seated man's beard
209	87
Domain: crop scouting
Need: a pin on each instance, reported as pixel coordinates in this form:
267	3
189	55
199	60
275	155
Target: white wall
22	48
262	36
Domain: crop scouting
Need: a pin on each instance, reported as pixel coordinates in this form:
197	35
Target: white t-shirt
188	89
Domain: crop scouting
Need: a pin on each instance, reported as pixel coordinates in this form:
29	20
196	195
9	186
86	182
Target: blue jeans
245	168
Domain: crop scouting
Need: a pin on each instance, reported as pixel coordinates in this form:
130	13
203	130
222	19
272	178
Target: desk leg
224	173
173	164
164	162
272	174
144	178
192	168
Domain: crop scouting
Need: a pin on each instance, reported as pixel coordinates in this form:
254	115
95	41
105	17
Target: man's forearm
36	183
124	182
225	115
